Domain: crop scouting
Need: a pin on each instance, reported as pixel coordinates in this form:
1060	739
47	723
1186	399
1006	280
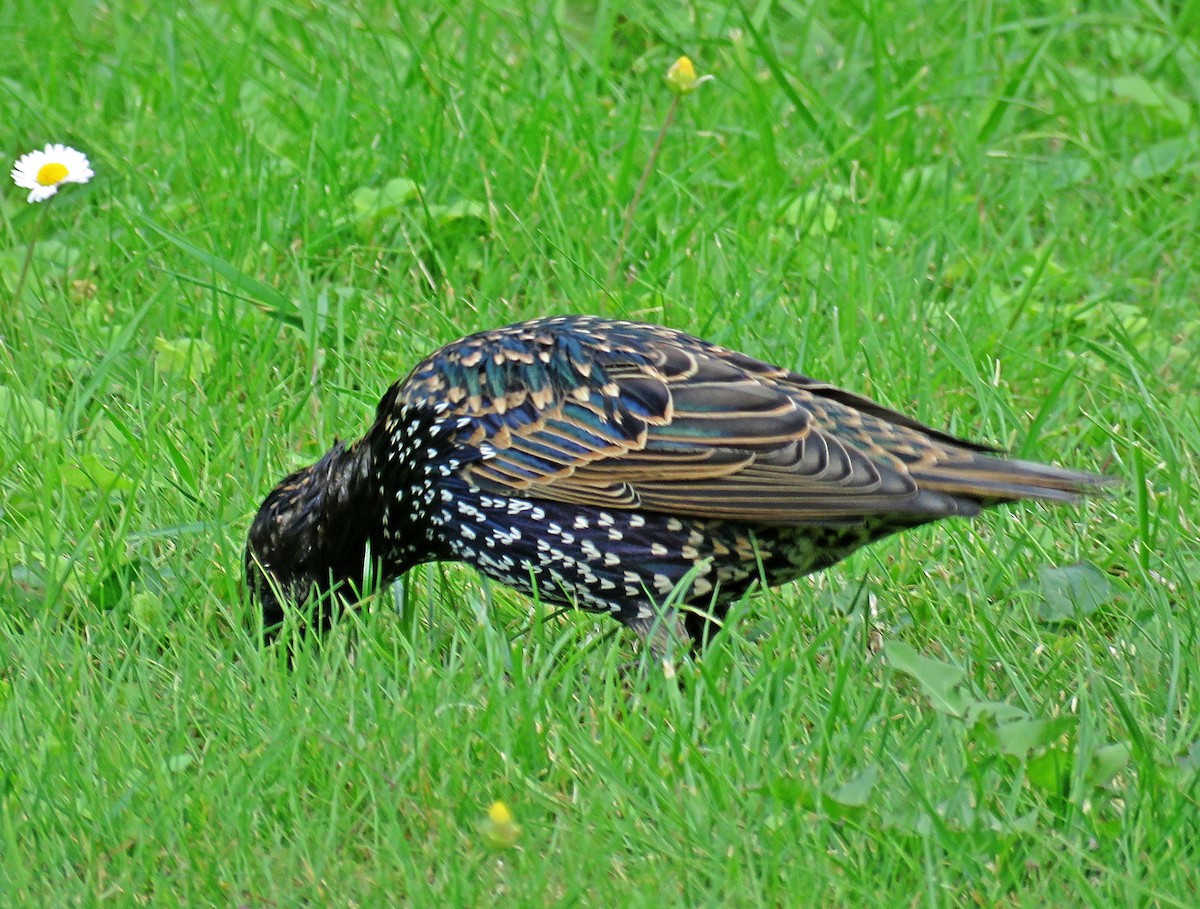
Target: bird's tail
991	480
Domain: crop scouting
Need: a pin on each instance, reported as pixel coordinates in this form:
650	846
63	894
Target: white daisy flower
43	172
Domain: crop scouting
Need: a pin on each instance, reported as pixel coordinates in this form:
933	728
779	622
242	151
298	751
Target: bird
616	467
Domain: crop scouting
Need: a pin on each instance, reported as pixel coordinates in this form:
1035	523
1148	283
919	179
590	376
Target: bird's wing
660	421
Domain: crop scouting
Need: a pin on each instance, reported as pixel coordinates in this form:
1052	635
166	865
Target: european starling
610	466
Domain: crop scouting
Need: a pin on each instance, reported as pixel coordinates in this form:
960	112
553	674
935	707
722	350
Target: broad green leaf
1067	170
1134	88
814	211
995	711
1133	319
371	204
24	418
852	797
55	254
457	211
36	573
1107	762
1132	44
791	789
146	610
50	258
1183	771
847	800
1050	771
180	762
186	358
1164	157
1143	92
90	473
940	681
1020	738
110	585
1072	592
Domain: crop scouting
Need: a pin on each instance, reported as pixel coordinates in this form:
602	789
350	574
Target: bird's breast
619	561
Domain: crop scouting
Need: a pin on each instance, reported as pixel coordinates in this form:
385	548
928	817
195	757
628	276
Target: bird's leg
664	635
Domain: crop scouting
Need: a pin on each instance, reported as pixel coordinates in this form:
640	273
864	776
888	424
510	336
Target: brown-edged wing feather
621	415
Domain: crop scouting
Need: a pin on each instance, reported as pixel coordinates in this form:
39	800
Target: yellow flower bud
682	78
498	829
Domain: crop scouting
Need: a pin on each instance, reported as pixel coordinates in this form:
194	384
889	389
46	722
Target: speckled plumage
603	464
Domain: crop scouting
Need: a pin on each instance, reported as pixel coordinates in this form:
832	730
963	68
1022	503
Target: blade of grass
271	301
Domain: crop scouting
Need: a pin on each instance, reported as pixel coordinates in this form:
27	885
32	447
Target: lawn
984	214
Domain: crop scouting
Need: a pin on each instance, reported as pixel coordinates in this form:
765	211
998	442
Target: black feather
601	463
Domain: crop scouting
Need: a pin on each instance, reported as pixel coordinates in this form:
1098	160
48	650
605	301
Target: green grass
984	214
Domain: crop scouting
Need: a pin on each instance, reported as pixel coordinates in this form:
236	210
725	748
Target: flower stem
632	207
33	238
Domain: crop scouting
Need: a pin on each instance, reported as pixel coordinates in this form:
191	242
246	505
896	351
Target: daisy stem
33	238
631	208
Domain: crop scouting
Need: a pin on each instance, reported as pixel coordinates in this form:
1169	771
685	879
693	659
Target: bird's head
308	541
